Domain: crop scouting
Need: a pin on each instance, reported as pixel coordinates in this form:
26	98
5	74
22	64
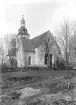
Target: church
33	52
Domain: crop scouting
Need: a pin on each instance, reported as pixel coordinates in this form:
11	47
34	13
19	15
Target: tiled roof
23	31
27	45
38	40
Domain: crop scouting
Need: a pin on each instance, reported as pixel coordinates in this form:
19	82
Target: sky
39	15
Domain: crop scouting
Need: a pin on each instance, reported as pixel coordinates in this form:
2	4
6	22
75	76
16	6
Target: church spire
22	31
22	21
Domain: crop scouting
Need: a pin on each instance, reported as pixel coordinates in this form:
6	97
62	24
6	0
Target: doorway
29	60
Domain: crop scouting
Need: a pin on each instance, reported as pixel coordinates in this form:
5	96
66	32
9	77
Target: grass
52	73
49	85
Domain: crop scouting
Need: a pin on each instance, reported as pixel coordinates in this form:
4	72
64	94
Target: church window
51	60
46	58
29	60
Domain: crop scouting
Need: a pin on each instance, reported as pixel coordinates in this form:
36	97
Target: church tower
22	34
22	31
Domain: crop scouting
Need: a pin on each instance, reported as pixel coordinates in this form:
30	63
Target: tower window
24	30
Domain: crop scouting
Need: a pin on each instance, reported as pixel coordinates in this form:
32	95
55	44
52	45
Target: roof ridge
36	41
57	44
41	34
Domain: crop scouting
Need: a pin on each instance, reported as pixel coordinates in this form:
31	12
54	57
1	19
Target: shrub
59	64
13	62
15	95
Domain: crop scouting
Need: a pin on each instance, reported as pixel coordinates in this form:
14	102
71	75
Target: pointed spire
22	21
22	30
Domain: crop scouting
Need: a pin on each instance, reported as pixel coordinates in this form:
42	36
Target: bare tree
6	43
10	45
45	50
72	45
10	41
2	51
63	37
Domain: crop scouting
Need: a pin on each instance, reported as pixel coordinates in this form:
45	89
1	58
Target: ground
53	91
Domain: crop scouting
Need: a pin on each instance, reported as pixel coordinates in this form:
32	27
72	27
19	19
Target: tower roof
22	30
22	21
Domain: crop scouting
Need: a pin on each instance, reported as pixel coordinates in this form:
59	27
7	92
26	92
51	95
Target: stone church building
33	52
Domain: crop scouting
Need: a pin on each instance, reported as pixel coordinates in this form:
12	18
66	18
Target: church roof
38	39
23	31
27	45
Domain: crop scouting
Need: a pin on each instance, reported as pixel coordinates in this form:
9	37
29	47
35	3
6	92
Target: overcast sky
40	15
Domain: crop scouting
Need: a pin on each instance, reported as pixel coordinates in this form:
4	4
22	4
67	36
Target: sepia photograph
38	52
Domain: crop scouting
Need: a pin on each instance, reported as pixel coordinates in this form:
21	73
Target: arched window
46	58
29	60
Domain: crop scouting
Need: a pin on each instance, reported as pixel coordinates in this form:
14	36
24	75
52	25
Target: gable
47	36
39	39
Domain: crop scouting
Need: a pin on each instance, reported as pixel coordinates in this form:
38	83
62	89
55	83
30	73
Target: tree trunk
66	62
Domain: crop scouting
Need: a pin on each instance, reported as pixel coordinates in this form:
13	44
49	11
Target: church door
29	60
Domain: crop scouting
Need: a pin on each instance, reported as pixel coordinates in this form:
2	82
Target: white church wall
41	54
20	56
38	59
36	56
25	58
32	55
